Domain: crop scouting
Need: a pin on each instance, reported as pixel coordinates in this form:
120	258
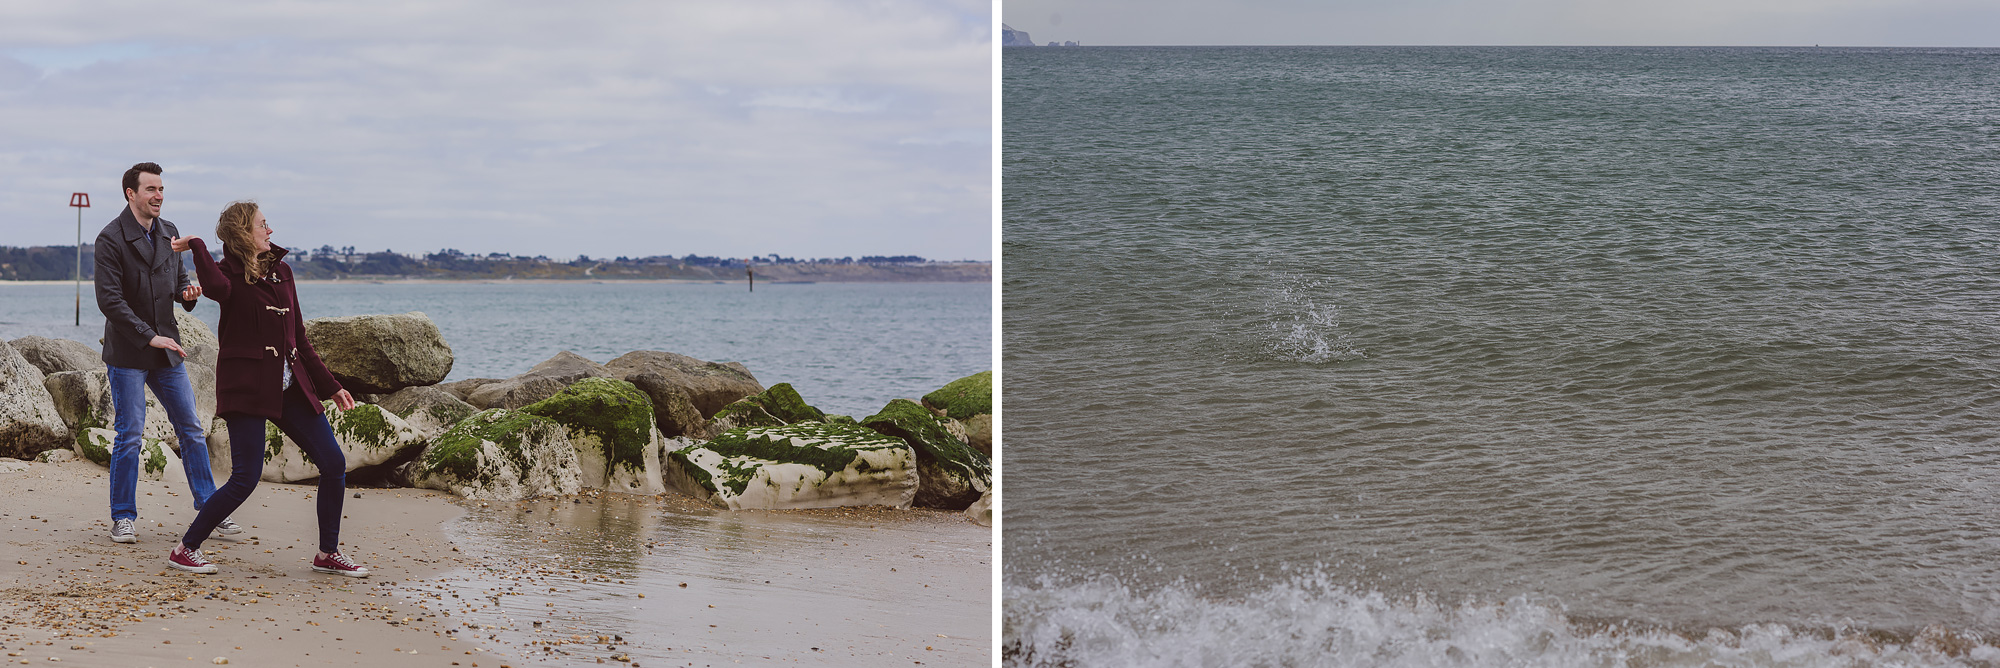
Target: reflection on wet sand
667	581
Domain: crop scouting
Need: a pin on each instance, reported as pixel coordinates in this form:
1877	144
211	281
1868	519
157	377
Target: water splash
1311	621
1301	328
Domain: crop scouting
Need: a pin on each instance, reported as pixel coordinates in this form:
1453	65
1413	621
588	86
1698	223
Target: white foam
1312	622
1302	328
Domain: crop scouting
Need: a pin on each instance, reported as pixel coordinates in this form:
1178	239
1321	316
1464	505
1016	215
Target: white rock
803	465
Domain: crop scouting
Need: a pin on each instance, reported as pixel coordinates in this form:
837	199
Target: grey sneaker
228	527
122	532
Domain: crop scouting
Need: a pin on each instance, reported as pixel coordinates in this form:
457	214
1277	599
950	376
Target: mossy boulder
538	383
968	403
94	444
464	388
803	465
427	409
610	424
498	454
779	405
953	474
83	400
963	398
981	511
157	461
708	385
368	435
979	432
29	421
57	355
381	353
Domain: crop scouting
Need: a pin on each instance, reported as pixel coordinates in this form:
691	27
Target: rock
57	355
159	462
381	353
779	405
674	413
29	421
55	456
968	402
610	423
953	474
981	511
979	433
709	385
464	388
199	342
539	383
804	465
94	444
963	398
368	435
427	409
83	400
12	465
498	454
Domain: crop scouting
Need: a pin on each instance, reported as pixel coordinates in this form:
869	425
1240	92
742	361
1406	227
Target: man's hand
191	293
169	344
180	244
343	401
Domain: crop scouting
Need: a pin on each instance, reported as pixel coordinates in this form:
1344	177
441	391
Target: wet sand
646	581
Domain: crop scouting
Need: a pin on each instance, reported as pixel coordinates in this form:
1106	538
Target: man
139	277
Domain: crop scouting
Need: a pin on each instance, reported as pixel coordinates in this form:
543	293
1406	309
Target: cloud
622	128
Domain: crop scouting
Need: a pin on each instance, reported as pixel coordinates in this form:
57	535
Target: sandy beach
460	583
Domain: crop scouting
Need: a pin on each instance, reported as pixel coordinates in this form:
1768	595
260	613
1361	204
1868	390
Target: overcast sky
808	128
1511	22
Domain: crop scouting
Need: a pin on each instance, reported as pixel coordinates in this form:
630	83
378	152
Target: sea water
1501	356
848	348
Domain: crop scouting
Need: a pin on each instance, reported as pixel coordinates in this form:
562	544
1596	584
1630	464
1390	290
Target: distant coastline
55	264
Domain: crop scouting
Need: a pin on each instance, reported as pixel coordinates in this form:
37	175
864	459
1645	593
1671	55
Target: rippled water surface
1464	356
848	347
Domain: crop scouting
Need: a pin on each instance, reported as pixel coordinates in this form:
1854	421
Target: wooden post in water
750	273
79	201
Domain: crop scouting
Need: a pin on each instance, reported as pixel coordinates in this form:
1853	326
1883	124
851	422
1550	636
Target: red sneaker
338	563
189	560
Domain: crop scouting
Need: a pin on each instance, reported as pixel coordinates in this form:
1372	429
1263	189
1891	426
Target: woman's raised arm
214	283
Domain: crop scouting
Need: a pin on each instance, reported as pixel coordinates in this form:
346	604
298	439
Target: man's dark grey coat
138	282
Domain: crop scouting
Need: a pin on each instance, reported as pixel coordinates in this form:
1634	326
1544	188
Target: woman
266	370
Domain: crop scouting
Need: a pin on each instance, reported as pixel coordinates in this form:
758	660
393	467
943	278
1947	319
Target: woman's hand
343	401
180	244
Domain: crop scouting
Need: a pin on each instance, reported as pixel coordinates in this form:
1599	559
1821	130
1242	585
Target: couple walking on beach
265	369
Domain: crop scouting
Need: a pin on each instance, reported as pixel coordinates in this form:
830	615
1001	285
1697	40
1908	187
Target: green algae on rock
611	425
498	454
953	474
803	465
963	398
158	461
367	434
779	405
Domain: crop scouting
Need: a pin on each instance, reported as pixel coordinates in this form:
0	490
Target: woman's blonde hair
236	228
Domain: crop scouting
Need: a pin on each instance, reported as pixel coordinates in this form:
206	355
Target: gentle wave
1313	621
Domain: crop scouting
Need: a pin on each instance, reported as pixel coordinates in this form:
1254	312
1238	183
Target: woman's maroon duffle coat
261	330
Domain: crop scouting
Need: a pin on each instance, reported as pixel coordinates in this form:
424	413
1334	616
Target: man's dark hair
132	175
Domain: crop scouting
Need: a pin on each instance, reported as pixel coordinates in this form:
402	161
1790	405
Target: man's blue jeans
128	400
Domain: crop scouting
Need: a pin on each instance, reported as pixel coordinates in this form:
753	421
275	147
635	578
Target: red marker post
80	201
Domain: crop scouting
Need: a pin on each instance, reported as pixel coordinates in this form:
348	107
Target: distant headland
1011	37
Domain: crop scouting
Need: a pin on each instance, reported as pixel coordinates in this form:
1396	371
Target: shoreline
543	281
70	594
